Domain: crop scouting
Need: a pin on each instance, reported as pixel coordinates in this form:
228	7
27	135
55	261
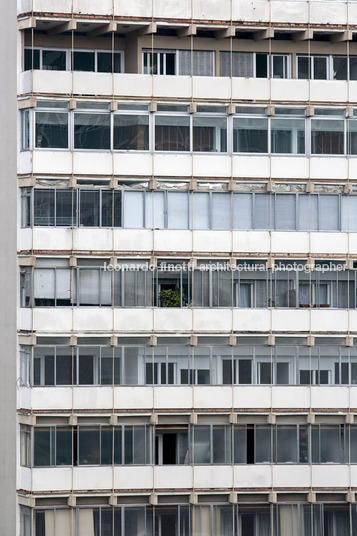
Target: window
328	444
101	61
172	133
159	62
327	136
25	445
52	446
91	131
210	134
25	366
288	136
211	444
51	130
196	62
131	132
250	135
25	521
171	446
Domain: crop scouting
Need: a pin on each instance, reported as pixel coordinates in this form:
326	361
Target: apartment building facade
186	340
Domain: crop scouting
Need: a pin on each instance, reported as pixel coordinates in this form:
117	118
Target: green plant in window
170	298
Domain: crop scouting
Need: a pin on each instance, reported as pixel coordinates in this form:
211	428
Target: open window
171	445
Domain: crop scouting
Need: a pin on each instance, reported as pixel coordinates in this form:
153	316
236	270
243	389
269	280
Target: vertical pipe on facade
192	231
152	148
72	130
230	152
269	72
308	132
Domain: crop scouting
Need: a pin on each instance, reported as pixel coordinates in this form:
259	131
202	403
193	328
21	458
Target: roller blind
203	62
44	283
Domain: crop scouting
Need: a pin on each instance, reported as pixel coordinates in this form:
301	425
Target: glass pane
131	132
83	61
288	136
89	208
88	445
285	212
339	67
327	137
91	131
44	207
320	68
42	447
250	135
172	133
51	130
303	70
286	444
64	446
54	60
64	208
210	134
201	447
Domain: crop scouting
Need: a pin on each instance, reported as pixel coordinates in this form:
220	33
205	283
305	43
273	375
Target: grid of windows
175	284
135	209
47	366
173	129
201	444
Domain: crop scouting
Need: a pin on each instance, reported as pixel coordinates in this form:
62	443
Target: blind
133	210
242	211
50	522
203	62
63	522
242	63
63	284
221	211
329	212
285	212
44	283
201	211
89	287
177	210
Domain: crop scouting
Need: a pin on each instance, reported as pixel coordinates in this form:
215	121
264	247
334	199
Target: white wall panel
329	397
134	477
251	242
51	161
170	477
329	243
291	476
92	239
172	165
251	320
167	397
56	319
330	476
290	320
52	398
52	479
217	396
48	238
212	165
216	320
128	164
212	241
251	166
92	319
252	397
252	476
173	241
133	397
135	320
87	478
290	397
133	240
213	476
329	320
172	319
93	398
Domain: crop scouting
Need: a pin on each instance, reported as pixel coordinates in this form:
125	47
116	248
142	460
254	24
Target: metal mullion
111	114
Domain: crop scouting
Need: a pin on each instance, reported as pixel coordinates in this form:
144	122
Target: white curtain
328	212
288	520
86	522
